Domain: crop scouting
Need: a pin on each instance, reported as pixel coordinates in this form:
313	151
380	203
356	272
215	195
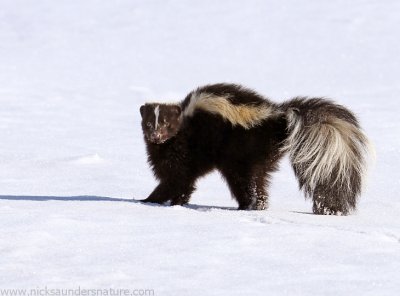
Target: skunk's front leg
159	195
177	193
181	194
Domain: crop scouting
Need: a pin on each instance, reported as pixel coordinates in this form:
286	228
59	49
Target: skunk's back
234	103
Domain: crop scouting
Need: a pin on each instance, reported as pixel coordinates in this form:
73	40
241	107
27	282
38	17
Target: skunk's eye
148	124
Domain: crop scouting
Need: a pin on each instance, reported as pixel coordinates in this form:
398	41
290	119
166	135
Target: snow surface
72	77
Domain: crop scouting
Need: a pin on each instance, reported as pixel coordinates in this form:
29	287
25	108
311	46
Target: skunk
244	135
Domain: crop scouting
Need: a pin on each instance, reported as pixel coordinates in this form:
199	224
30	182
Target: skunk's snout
155	136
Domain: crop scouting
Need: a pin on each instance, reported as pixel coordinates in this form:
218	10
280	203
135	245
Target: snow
73	75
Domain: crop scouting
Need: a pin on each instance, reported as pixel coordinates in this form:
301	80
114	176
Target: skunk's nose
155	136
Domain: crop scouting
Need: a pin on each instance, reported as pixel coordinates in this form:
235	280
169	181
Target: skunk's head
160	122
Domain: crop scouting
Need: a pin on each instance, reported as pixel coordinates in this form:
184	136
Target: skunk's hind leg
248	187
332	201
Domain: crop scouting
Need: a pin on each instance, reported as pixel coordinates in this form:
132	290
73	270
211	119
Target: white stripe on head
156	113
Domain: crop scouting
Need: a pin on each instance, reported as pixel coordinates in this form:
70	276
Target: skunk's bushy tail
328	153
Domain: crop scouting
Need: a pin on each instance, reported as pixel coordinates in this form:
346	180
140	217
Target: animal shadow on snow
83	198
61	198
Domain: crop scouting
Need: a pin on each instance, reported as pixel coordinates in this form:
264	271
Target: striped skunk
244	135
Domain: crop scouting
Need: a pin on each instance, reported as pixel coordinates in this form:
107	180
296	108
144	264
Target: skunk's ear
176	110
142	110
